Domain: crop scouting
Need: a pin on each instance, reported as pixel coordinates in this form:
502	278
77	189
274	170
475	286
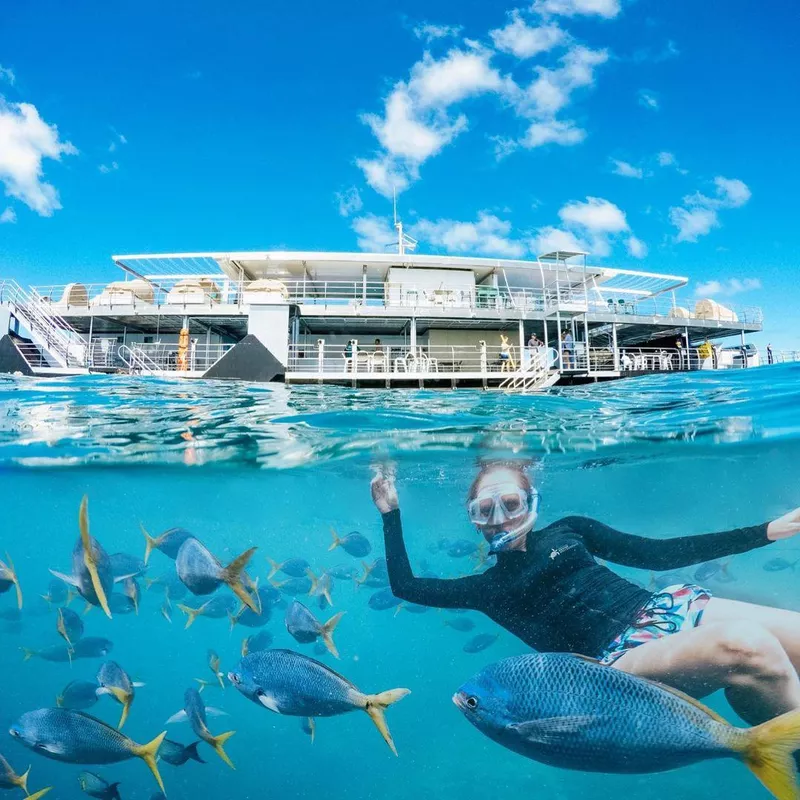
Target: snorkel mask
498	506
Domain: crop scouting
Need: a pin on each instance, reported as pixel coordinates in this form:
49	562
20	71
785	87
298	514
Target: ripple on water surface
101	419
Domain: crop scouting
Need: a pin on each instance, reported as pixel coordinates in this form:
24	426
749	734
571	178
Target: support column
90	352
614	346
521	359
688	350
412	335
560	359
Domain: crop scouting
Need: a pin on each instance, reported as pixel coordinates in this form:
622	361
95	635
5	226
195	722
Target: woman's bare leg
742	657
783	624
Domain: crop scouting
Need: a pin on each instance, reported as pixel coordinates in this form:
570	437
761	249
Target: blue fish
88	647
78	695
215	608
265	599
169	542
294	586
462	624
383	600
114	681
77	738
69	626
8	578
480	642
124	565
202	573
306	628
194	711
779	564
293	567
178	754
321	588
461	548
258	641
96	786
354	544
290	683
9	779
343	571
573	713
91	567
376	574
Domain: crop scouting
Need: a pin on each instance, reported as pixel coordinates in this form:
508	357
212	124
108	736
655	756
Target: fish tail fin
71	595
232	620
191	751
28	654
126	707
12	576
39	794
22	780
336	540
767	751
60	701
314	580
86	609
88	556
276	584
376	704
360	579
165	614
191	614
232	575
274	568
148	752
312	726
150	543
327	633
217	743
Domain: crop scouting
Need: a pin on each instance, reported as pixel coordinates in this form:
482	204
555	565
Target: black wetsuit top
555	596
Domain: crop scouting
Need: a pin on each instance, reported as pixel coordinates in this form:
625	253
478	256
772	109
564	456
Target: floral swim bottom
673	609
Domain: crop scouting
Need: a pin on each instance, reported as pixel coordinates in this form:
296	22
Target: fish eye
234	677
472	702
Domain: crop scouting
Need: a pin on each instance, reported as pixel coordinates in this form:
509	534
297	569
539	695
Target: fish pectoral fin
121	578
54	748
68	579
268	701
180	716
216	712
552	729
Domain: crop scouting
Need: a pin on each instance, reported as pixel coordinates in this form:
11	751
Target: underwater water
277	468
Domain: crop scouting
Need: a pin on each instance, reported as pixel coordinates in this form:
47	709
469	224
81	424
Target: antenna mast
404	241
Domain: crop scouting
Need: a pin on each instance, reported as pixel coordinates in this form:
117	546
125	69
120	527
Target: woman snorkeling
548	589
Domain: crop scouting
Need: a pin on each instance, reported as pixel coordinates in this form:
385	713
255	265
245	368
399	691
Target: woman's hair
518	467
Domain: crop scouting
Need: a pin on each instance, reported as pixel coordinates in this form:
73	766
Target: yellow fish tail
217	741
40	793
232	575
148	752
376	704
88	556
767	751
150	543
327	633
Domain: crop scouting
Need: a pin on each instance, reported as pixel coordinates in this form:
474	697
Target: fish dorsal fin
689	699
671	689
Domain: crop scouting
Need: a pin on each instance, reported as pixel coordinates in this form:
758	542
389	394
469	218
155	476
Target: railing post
355	362
320	357
484	365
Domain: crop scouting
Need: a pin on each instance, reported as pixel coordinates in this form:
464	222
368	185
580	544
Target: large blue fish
571	712
9	779
77	738
91	566
290	683
202	573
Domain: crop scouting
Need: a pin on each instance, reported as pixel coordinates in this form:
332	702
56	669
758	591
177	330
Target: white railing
46	329
212	292
535	374
787	356
160	357
136	360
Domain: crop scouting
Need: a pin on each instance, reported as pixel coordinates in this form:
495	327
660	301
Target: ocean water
277	468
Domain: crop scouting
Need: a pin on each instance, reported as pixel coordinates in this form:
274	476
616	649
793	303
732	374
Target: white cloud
25	141
666	159
732	192
7	75
636	247
503	146
593	225
649	100
349	201
553	132
438	83
385	175
626	170
106	168
427	31
9	216
699	214
693	223
524	41
596	215
375	234
571	8
549	239
727	288
489	236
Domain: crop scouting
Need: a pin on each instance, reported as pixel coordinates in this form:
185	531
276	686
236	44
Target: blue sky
660	136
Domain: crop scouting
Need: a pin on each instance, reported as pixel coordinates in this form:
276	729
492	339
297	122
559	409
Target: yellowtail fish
8	578
194	712
574	713
11	780
114	681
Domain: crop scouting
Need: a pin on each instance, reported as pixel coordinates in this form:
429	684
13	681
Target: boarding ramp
535	375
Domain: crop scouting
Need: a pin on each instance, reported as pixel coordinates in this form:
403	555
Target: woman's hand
785	526
384	492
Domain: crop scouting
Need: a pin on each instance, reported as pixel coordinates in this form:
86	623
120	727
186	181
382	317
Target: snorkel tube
504	541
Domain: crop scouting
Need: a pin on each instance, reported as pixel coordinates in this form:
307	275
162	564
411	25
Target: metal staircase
56	344
136	360
536	375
